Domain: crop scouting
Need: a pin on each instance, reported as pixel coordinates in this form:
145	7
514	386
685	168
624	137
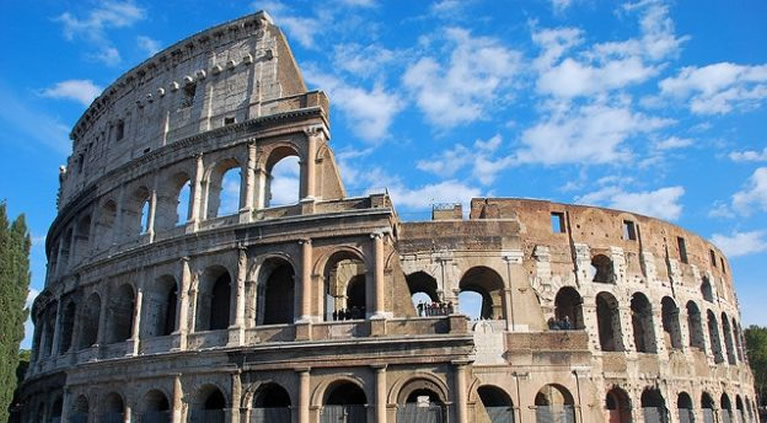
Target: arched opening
283	176
345	287
602	269
568	309
213	299
489	286
497	403
82	238
684	406
120	314
49	327
554	403
423	291
727	333
713	336
672	332
739	410
56	410
641	323
737	334
695	326
64	251
161	303
706	290
105	224
726	407
749	410
80	410
224	189
608	322
419	402
173	205
67	326
135	213
271	404
344	402
654	406
114	409
209	406
184	203
89	322
618	406
156	408
276	293
707	406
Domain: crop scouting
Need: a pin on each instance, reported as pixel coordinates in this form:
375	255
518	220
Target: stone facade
150	315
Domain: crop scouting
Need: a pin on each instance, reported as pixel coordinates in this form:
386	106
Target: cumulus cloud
285	182
662	203
424	196
741	243
80	90
478	156
370	112
478	72
149	45
304	29
718	88
749	156
754	195
673	142
592	134
362	60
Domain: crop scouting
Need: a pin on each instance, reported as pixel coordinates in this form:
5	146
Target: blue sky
646	105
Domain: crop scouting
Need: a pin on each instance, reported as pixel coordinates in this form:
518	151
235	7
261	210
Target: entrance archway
618	406
497	403
271	404
554	403
345	402
654	406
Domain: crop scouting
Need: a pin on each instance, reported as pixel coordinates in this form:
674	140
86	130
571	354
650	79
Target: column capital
305	369
184	259
303	241
198	155
314	131
379	367
461	363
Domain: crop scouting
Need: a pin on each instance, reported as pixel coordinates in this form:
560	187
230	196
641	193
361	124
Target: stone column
460	391
237	330
260	181
66	404
309	166
118	224
303	395
182	317
152	214
102	333
135	338
380	370
56	331
176	403
127	414
196	194
306	280
236	395
250	178
514	271
378	275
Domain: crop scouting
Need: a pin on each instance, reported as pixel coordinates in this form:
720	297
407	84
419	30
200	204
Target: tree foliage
756	347
14	285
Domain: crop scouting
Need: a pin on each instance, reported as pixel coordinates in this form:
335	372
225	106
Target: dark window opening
120	131
713	257
629	231
189	93
80	162
682	249
229	120
558	222
724	268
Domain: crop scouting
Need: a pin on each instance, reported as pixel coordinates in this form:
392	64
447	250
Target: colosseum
163	305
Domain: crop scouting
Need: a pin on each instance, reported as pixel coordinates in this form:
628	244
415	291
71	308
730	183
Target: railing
655	415
415	413
555	414
156	417
344	414
207	416
271	415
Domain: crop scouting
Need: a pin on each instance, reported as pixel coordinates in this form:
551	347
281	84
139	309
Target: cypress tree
14	284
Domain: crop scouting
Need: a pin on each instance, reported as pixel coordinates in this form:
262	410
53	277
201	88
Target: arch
706	291
713	336
489	285
107	215
57	409
89	322
174	204
685	408
67	326
120	314
739	410
424	284
82	236
275	292
135	213
654	406
344	400
283	176
642	324
401	389
421	400
271	403
497	403
737	334
156	407
114	408
727	334
224	188
603	269
608	322
670	318
64	251
707	407
49	327
208	405
213	299
343	267
726	406
80	410
618	405
568	308
554	402
161	304
694	326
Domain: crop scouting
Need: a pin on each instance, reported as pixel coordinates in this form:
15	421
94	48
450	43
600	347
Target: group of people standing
353	313
435	308
563	323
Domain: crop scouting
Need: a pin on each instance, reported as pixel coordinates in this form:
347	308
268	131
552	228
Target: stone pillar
306	280
66	404
135	338
101	336
380	404
246	211
182	322
303	395
260	181
236	395
56	331
176	403
196	194
514	272
309	165
152	213
237	330
460	391
378	276
118	224
127	413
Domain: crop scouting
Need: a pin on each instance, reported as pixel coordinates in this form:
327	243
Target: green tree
756	347
14	285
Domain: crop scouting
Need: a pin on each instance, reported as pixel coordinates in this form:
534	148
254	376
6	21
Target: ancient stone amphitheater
162	305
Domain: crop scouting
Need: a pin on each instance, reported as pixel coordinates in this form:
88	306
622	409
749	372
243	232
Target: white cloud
359	3
450	191
718	88
674	142
477	73
741	243
35	125
721	209
369	112
109	56
749	156
479	156
29	327
109	14
591	134
149	45
80	90
361	60
561	5
572	78
285	182
662	203
754	195
303	29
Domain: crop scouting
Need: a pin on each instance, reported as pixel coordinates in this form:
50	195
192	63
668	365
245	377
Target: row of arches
569	303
